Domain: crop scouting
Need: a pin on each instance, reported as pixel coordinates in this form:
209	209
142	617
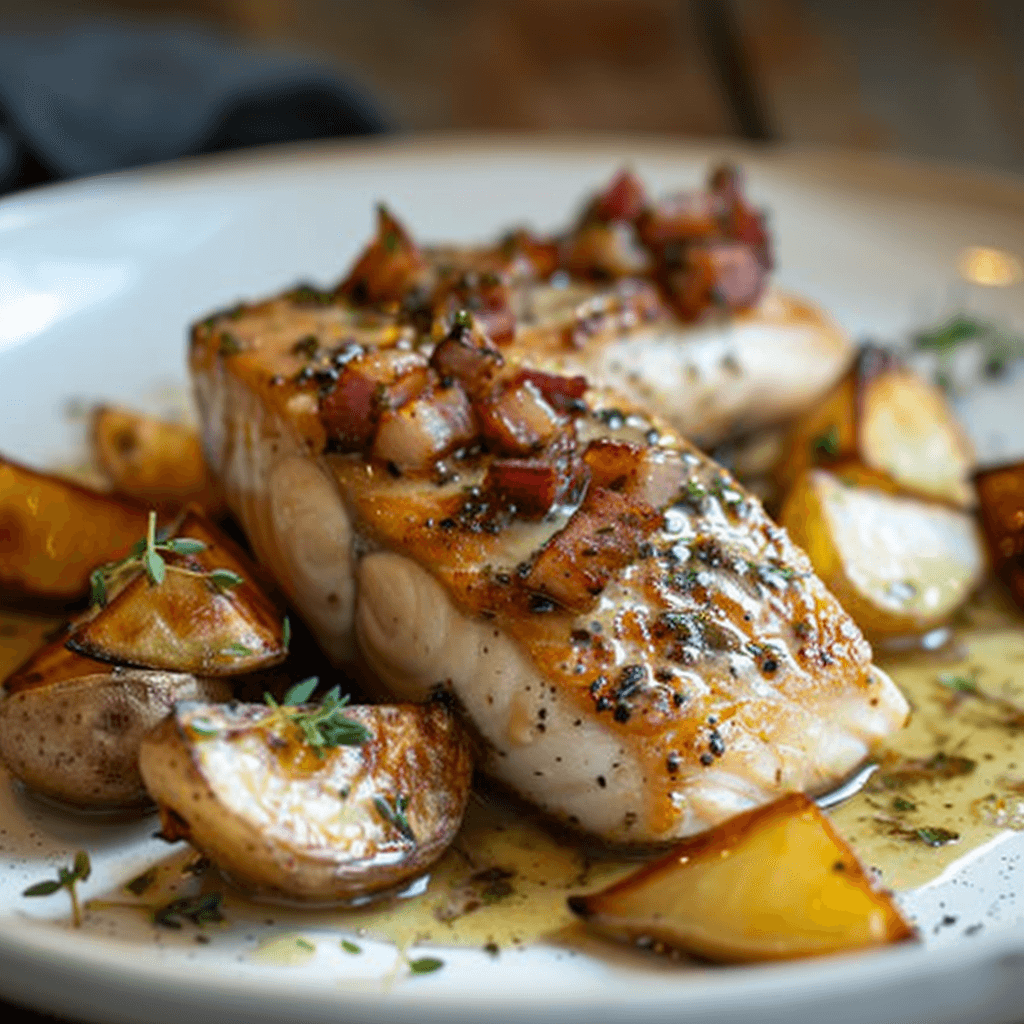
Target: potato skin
77	740
290	826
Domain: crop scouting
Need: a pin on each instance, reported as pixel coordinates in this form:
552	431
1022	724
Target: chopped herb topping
200	910
351	947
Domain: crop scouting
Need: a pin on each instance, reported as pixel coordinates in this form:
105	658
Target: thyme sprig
148	554
999	347
323	726
394	813
67	878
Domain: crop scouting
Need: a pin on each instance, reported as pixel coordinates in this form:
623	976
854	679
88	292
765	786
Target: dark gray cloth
108	95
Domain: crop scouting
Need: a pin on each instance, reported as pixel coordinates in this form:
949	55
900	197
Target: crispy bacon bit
466	355
366	386
517	420
624	199
486	295
424	430
739	221
524	251
603	536
683	218
388	268
564	394
530	486
612	463
347	411
651	475
602	251
726	275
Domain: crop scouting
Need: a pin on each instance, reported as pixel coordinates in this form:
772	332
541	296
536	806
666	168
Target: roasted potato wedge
153	461
893	422
1001	510
186	623
70	727
898	565
244	786
53	533
774	883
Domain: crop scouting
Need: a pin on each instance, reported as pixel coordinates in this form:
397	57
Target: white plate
97	282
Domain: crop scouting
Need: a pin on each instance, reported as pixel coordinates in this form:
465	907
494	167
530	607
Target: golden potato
773	883
892	421
53	533
898	565
289	820
70	728
186	623
1001	510
154	461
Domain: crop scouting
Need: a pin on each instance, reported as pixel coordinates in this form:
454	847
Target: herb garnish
147	554
351	947
826	445
425	965
325	726
998	347
67	878
935	836
140	883
395	814
200	910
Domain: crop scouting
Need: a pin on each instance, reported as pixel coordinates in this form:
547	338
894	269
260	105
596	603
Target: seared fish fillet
641	650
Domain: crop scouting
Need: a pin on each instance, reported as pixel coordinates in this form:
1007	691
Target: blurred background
90	85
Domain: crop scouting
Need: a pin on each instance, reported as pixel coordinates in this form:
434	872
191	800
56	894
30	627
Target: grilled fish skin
691	668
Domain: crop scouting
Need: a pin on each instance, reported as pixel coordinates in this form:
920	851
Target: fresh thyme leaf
156	567
184	546
305	944
960	684
934	836
958	328
238	649
82	867
301	692
67	878
350	947
200	910
286	633
425	965
229	345
98	585
903	804
224	579
826	445
47	888
395	814
141	883
339	731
